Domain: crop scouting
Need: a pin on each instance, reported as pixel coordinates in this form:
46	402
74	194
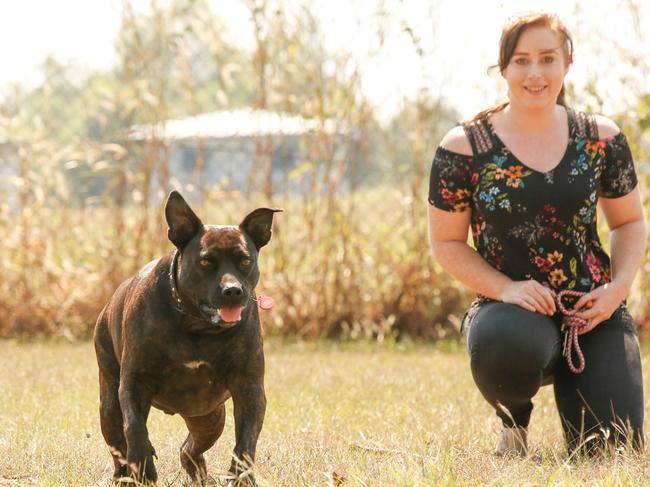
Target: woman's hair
512	30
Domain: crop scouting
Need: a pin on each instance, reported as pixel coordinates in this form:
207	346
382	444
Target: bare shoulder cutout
456	141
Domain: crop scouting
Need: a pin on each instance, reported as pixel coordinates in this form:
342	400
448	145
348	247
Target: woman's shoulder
456	141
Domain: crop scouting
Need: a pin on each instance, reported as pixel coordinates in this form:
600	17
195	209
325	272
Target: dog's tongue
230	314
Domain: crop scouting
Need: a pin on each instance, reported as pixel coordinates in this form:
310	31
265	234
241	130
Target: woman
527	176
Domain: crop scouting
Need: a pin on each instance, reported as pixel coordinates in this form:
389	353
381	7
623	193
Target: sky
458	38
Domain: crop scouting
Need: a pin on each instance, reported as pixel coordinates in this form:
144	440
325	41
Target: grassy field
359	414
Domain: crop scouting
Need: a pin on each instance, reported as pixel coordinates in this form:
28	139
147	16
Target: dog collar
178	304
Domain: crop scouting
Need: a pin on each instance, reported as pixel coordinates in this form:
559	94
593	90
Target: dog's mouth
226	316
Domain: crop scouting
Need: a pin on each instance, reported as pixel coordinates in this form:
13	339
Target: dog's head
217	265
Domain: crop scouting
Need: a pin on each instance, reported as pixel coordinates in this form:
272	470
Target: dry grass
370	415
357	267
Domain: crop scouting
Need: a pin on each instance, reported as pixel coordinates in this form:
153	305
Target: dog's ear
257	225
183	222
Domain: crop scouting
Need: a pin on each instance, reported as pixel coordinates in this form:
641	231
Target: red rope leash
571	325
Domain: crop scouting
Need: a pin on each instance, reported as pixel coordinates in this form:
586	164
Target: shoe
512	441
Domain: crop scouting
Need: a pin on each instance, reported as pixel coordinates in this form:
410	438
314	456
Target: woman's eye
548	59
245	262
205	263
521	61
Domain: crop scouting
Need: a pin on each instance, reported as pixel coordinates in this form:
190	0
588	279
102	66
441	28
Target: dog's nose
232	290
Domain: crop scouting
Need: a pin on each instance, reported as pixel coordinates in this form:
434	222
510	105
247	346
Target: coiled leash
571	326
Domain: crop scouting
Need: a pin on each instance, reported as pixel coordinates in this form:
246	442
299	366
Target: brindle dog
183	335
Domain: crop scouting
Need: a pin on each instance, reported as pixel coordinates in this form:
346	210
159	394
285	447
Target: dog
183	335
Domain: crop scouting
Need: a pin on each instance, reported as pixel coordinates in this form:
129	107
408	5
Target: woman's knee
502	336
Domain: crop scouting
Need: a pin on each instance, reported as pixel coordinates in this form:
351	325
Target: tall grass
361	274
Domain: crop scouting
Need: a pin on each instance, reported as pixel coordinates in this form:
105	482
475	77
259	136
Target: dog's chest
191	388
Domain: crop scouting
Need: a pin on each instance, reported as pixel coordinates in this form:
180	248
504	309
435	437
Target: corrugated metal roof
229	124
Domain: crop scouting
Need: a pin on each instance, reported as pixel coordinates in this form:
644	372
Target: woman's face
537	68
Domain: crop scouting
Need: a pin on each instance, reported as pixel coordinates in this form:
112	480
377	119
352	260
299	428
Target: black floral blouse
530	224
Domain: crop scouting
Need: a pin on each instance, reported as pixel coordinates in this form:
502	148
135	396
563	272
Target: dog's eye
205	263
245	262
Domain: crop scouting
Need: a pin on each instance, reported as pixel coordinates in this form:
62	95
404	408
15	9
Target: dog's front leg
135	401
249	405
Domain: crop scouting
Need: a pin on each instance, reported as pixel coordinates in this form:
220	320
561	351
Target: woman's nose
534	71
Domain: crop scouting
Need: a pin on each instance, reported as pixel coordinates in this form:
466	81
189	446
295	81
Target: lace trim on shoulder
586	126
479	136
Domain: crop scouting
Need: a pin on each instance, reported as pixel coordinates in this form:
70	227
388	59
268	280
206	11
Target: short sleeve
450	183
618	176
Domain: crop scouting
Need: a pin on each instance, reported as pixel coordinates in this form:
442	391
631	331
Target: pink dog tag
265	302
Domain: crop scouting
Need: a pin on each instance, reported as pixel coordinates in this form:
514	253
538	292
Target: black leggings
514	352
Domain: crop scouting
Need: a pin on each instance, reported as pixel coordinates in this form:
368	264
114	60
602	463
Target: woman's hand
604	301
530	295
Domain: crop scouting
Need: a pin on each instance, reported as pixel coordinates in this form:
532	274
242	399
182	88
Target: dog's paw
195	467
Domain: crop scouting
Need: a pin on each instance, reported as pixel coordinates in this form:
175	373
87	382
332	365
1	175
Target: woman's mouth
535	89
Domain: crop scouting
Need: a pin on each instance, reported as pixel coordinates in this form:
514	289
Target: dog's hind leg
203	433
110	417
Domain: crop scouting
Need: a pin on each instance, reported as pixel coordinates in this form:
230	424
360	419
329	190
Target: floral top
530	224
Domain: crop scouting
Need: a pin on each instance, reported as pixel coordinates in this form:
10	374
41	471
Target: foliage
81	200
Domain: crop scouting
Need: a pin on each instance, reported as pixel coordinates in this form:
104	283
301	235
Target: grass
356	414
